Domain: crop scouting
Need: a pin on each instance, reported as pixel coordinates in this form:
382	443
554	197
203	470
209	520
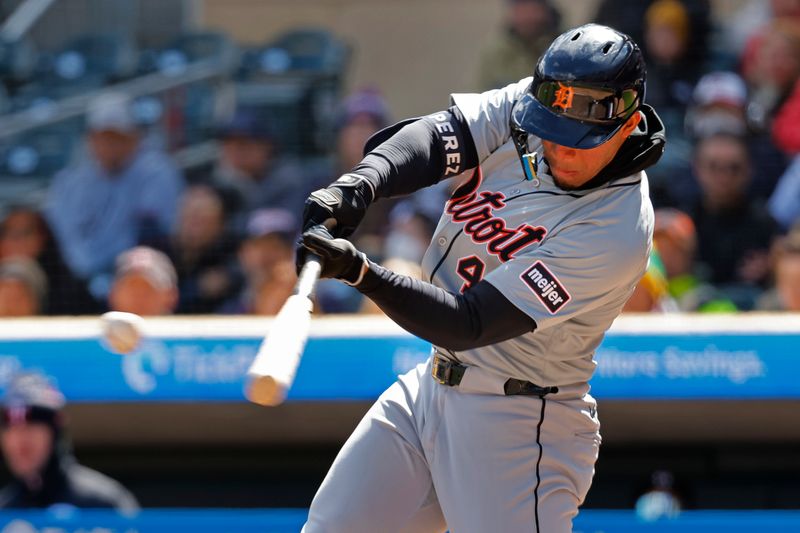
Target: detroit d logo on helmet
563	97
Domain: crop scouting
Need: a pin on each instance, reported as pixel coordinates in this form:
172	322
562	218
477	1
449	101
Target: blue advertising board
355	360
291	520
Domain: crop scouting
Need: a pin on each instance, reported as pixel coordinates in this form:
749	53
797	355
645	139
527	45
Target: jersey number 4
471	270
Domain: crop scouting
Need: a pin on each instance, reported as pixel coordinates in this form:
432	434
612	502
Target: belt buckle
441	370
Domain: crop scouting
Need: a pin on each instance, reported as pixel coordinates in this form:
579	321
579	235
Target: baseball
121	332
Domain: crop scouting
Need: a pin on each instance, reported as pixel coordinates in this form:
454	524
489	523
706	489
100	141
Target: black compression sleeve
420	154
480	316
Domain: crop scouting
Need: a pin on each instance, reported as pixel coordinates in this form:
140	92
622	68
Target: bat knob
265	390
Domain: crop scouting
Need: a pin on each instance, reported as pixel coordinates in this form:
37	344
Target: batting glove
345	200
340	259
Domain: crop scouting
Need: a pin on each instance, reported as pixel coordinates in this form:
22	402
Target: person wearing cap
250	170
265	263
145	284
121	189
38	456
719	105
23	287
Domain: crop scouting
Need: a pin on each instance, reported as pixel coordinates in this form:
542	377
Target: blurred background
155	156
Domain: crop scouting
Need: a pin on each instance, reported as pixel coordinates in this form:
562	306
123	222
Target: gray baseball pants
428	457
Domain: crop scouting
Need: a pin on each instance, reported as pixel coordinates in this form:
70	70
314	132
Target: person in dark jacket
37	453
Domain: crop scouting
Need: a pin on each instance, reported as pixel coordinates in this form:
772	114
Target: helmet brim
531	116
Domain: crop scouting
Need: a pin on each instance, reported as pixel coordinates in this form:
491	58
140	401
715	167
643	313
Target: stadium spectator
746	21
359	117
675	238
201	250
671	70
784	204
529	27
266	263
784	128
145	283
734	231
119	192
37	453
24	233
779	62
627	17
651	294
785	296
771	65
661	499
23	287
250	170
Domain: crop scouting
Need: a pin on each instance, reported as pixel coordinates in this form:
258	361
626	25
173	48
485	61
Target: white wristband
364	268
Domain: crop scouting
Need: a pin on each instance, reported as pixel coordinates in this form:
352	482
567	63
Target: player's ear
631	124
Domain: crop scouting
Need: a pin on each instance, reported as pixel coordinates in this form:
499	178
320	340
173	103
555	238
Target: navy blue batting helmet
585	87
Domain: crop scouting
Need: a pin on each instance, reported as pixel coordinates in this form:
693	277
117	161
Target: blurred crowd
123	228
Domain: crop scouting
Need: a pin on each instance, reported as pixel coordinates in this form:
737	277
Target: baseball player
533	258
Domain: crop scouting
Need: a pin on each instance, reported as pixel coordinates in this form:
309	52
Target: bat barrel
272	372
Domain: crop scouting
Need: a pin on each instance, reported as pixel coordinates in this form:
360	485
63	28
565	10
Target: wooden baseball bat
272	372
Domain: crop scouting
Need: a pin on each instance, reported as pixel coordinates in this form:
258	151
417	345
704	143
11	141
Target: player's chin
568	181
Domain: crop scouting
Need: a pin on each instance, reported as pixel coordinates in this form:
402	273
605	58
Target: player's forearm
480	316
420	154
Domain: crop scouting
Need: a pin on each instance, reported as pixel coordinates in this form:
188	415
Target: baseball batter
533	258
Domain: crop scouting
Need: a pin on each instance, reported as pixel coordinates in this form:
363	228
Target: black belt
451	373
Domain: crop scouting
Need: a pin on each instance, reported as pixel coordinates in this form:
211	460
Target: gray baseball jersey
568	259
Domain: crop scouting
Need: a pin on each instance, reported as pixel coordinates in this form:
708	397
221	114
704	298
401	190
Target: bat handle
309	275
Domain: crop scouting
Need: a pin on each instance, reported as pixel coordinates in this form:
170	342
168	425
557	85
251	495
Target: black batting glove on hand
340	259
345	200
